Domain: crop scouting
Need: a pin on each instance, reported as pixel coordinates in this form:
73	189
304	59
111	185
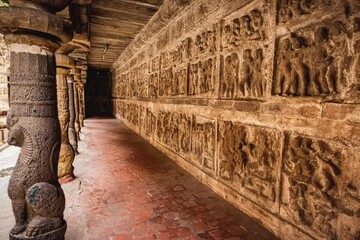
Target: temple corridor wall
260	101
4	65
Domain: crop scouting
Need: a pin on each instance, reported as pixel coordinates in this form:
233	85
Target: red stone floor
127	189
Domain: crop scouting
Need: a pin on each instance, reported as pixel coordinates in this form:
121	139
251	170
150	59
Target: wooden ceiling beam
114	27
126	6
150	3
119	15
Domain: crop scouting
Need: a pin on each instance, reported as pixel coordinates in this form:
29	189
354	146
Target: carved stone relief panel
142	119
155	64
150	123
181	53
173	130
142	80
203	141
245	50
316	191
249	159
301	10
202	76
314	61
167	85
131	113
153	85
204	43
244	27
242	74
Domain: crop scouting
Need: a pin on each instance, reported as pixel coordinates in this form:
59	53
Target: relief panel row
310	181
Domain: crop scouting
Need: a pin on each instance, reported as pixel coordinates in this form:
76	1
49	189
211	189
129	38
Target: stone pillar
76	101
72	131
81	102
34	33
67	154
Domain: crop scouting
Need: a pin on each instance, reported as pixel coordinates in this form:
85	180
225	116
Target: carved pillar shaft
37	199
76	101
81	103
67	154
72	131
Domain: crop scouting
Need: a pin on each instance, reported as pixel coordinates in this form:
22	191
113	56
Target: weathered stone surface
37	198
4	66
260	101
67	153
34	33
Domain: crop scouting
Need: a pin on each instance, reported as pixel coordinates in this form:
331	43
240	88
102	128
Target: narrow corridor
126	189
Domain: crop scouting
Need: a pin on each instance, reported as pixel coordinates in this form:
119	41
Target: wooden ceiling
114	24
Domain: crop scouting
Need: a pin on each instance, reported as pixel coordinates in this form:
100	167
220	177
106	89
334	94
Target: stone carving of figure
336	77
246	73
227	35
245	27
231	75
208	75
283	81
320	61
201	88
235	38
299	70
256	25
211	40
257	83
194	79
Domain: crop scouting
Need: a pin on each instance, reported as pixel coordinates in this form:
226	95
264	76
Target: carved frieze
202	76
249	159
246	27
316	190
292	10
203	141
204	42
243	77
314	61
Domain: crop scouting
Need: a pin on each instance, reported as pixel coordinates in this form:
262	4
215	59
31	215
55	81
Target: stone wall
4	65
260	101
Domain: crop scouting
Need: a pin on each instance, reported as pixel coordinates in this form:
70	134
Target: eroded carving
313	63
203	141
296	9
201	76
173	131
37	199
314	184
249	158
245	80
248	27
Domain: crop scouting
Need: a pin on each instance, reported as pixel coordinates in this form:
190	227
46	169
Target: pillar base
58	234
